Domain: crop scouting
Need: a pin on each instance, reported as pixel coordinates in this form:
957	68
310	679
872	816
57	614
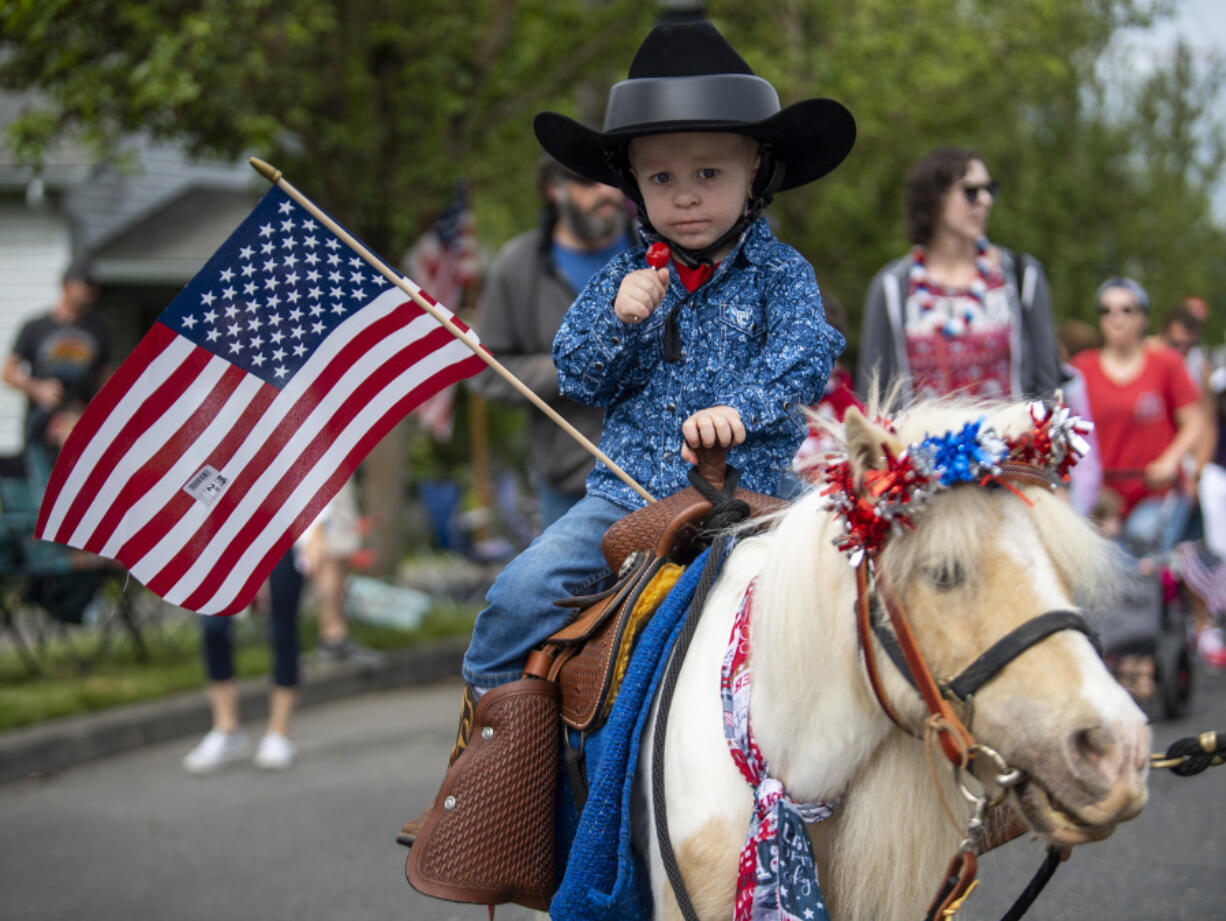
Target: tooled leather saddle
489	836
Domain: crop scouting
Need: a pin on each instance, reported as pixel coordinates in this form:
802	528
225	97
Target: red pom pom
658	255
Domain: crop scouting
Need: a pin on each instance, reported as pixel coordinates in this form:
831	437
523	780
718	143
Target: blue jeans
553	502
285	590
1157	523
521	611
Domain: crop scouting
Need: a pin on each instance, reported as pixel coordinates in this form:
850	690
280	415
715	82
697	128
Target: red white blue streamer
777	873
892	497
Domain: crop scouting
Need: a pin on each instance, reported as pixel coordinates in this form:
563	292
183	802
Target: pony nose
1099	756
1098	747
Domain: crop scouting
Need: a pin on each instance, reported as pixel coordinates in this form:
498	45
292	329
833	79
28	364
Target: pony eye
945	576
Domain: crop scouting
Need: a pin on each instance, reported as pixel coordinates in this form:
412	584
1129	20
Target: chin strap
771	171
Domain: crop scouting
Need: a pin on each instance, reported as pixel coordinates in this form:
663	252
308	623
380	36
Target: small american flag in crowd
444	260
242	412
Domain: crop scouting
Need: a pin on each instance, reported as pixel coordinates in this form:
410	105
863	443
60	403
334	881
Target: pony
977	563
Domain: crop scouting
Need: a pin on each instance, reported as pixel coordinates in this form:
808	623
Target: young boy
725	346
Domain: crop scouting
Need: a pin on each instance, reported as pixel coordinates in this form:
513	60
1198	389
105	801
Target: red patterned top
958	339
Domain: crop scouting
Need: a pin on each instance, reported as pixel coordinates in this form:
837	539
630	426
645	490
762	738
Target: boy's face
695	185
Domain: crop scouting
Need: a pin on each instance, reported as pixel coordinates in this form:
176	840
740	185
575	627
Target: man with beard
531	284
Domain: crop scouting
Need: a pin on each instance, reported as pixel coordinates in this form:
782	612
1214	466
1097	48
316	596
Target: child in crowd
726	345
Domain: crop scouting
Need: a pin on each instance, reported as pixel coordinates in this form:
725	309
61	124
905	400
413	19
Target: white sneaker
275	753
1212	648
216	750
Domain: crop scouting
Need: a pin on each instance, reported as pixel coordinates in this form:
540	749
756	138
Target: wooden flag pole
273	175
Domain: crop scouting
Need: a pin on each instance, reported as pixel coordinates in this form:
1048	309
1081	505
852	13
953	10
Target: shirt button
615	340
598	365
671	407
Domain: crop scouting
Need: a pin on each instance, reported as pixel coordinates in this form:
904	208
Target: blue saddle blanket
603	877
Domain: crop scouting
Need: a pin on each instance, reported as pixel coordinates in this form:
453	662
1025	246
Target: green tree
374	107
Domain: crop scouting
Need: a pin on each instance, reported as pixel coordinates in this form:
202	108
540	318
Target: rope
1047	869
1194	754
669	859
727	510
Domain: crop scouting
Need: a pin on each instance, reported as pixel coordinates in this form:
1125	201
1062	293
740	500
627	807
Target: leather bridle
874	592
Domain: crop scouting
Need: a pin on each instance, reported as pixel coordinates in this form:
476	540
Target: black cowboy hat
687	77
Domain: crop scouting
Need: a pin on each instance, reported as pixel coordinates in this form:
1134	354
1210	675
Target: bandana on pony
892	497
777	873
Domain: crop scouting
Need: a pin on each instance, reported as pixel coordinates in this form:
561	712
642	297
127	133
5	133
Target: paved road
133	837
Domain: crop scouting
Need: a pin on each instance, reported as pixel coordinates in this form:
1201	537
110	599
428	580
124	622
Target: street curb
58	744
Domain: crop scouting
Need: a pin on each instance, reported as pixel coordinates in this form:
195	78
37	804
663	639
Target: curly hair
930	179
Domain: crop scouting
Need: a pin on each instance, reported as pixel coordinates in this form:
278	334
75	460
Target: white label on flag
206	486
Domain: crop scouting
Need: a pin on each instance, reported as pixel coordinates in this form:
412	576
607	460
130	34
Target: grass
77	677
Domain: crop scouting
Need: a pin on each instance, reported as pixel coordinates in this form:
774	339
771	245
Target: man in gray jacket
530	286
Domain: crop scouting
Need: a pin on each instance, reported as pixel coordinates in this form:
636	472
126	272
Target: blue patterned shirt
754	337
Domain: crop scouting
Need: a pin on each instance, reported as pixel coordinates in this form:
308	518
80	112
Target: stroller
1145	628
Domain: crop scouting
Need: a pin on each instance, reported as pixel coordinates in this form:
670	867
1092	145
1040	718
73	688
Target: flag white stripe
170	359
146	445
396	389
157	371
148	506
285	403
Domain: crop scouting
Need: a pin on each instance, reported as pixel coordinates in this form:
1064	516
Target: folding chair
55	583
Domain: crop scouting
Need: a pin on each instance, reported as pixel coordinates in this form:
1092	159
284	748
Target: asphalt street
133	837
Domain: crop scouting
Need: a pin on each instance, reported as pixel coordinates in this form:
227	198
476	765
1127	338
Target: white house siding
35	248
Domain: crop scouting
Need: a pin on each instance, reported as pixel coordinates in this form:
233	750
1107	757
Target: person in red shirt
1146	414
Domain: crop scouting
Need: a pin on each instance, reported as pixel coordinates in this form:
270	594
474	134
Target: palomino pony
981	559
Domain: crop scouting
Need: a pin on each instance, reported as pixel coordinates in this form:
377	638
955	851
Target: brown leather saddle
489	836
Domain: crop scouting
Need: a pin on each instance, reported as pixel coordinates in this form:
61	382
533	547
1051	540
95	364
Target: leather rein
955	737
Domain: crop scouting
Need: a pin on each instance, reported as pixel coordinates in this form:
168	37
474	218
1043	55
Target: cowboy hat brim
811	138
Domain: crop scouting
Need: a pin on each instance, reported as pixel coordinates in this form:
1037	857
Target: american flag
444	260
242	412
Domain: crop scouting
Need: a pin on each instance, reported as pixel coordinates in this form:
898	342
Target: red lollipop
658	255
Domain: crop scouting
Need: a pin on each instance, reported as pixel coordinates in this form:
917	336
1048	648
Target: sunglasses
972	191
1127	310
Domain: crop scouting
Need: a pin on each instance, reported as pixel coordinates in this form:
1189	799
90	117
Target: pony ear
866	443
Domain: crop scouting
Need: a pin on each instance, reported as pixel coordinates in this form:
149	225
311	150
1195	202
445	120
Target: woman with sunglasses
1147	415
957	314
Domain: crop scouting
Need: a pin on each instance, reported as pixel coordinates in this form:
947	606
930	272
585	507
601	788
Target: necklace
926	292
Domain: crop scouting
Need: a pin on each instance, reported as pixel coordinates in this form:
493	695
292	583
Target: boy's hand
716	425
640	293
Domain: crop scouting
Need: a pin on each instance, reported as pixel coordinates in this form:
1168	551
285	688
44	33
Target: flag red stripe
152	344
136	548
148	474
332	485
257	520
161	523
151	410
353	351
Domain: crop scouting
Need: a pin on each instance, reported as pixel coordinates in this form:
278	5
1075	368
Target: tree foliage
1089	188
375	107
